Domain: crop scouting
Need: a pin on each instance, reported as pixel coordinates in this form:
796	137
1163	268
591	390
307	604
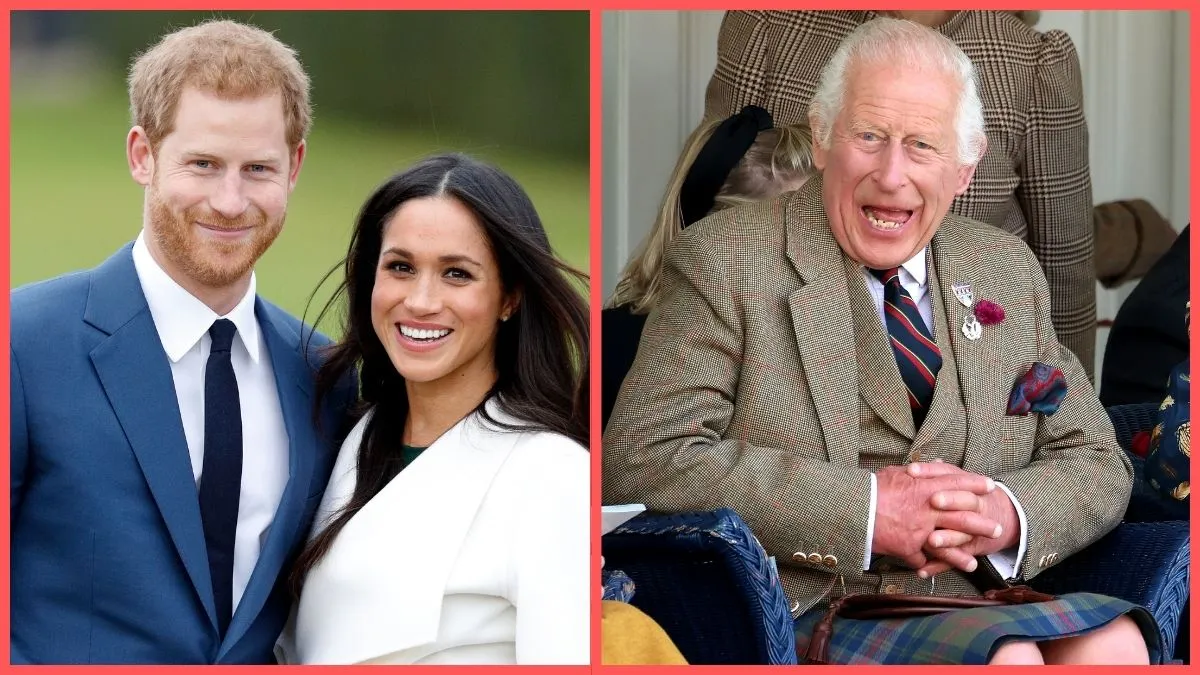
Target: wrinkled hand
948	547
905	518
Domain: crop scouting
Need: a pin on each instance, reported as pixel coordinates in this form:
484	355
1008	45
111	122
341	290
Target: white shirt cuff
870	528
1008	561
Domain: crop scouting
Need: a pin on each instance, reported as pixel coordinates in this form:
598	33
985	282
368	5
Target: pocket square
1040	390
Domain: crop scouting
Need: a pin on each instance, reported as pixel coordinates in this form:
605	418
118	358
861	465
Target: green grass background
73	203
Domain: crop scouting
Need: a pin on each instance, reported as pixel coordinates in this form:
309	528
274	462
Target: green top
409	453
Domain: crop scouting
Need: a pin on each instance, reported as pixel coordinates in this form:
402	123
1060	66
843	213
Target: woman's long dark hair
541	351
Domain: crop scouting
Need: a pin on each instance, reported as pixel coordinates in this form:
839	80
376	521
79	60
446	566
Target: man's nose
892	173
230	198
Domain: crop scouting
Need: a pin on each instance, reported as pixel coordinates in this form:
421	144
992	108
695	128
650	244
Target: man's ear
140	156
966	173
297	160
819	153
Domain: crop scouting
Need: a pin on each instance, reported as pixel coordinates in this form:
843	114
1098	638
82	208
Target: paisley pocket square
1040	390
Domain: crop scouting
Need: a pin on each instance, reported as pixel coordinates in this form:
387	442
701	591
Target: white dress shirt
182	322
913	277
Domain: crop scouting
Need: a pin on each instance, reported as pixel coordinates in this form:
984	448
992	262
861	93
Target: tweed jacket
756	387
1034	179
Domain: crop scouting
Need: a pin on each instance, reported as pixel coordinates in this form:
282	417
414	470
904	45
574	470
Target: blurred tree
424	71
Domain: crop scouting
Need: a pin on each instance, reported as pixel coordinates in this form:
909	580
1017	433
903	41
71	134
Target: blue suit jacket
108	557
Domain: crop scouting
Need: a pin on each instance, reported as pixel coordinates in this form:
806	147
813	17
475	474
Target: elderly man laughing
876	387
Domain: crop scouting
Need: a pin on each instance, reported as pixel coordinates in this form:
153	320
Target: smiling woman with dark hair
455	525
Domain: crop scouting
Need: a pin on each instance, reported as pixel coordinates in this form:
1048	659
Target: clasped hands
934	516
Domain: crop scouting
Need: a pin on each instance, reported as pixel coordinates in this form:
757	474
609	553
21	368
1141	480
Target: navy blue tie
917	355
221	480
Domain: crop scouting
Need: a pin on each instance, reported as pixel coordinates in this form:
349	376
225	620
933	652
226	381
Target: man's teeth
424	334
881	224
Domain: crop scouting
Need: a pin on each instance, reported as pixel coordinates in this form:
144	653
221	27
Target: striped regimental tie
917	355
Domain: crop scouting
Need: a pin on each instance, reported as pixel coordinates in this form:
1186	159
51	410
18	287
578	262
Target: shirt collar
915	266
180	318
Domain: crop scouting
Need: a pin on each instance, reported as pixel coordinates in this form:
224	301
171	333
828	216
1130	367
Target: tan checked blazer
763	382
1034	180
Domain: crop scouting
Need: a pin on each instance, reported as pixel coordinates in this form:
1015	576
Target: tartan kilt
970	636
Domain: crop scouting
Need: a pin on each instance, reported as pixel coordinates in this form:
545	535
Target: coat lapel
823	325
941	406
136	375
398	591
294	383
978	361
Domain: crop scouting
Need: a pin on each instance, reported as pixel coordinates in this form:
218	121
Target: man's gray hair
896	41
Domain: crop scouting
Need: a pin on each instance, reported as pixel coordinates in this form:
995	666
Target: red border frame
596	233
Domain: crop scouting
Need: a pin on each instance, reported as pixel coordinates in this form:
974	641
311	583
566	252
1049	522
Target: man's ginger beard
207	260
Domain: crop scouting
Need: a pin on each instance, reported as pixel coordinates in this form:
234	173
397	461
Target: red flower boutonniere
988	312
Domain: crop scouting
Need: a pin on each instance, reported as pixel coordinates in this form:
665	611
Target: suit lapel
978	361
941	406
880	383
136	375
823	326
294	383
